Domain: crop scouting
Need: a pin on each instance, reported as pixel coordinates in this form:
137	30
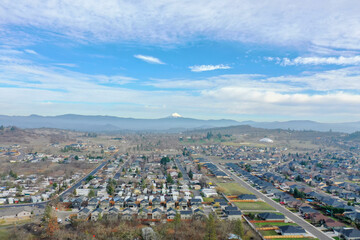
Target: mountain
173	123
175	115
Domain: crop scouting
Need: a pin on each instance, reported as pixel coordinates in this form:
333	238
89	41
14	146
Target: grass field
253	206
273	233
232	188
237	144
263	224
4	234
208	199
268	232
305	238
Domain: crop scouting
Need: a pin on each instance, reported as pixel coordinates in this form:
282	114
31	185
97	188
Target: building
269	216
292	230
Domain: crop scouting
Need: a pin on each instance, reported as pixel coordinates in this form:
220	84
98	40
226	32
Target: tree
76	157
164	160
48	213
55	185
298	194
210	229
169	179
238	228
91	193
180	175
110	189
89	178
191	175
12	174
176	223
52	227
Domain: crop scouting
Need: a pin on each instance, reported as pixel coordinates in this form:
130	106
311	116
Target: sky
244	60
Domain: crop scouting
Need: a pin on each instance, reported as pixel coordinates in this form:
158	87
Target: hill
174	123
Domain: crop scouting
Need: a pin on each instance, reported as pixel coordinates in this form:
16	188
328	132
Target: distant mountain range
174	123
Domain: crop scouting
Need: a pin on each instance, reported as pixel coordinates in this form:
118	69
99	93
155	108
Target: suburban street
76	185
290	215
184	173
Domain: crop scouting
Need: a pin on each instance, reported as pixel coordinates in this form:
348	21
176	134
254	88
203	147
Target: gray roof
351	233
269	215
13	211
292	229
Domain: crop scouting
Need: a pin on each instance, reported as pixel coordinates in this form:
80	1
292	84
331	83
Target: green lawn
273	224
268	232
232	188
253	206
305	238
208	199
273	233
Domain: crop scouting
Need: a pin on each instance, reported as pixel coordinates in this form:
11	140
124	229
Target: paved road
76	185
184	173
67	191
298	220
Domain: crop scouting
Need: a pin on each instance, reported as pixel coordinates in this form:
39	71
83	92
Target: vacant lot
232	188
253	206
4	234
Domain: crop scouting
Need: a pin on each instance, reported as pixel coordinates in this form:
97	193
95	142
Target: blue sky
263	61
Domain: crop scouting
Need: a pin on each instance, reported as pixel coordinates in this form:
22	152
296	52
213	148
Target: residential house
269	216
84	213
186	214
350	234
292	230
97	214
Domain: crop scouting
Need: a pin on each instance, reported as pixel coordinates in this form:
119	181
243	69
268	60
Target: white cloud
333	23
72	65
203	68
149	59
355	60
30	51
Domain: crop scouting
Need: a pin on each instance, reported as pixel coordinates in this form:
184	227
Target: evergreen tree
176	223
110	189
210	228
191	175
169	179
238	228
91	193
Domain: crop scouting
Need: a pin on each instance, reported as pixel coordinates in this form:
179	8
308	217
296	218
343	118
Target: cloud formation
203	68
341	60
30	51
149	59
334	23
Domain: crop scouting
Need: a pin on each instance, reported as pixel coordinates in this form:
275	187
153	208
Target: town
260	190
